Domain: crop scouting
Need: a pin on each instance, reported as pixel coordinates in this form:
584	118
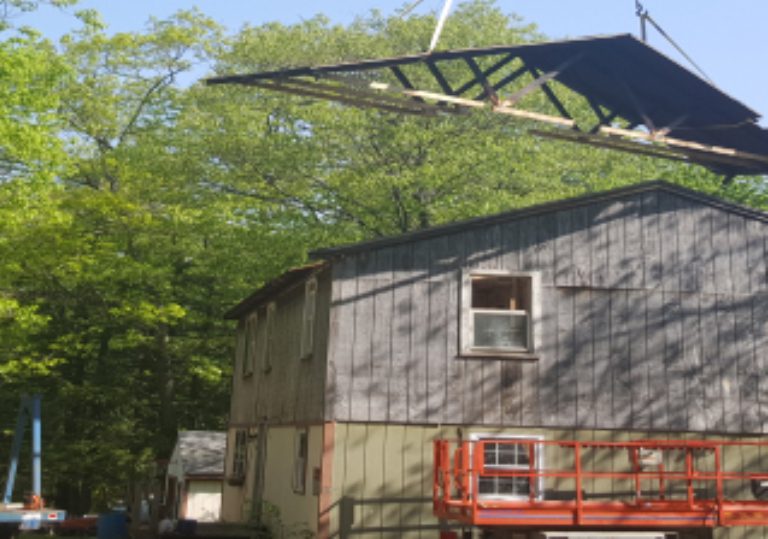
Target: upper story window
308	317
500	313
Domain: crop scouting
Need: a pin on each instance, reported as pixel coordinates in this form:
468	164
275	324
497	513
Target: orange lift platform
576	485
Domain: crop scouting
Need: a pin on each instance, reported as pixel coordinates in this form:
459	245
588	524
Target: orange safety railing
572	484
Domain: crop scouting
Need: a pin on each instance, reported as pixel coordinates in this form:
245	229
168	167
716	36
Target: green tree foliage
134	209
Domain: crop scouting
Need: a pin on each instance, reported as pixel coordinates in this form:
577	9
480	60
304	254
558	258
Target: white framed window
502	452
300	455
249	344
500	312
308	318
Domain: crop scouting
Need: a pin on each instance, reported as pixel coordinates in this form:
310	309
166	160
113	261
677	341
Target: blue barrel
186	527
112	525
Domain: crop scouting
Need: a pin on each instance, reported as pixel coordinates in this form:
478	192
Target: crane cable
644	16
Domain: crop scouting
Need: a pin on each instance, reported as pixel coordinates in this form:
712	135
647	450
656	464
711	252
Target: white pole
440	23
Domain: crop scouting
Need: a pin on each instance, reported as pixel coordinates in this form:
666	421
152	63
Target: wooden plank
726	329
582	259
403	306
760	335
668	237
382	337
705	257
455	371
418	390
512	393
491	372
712	380
436	357
528	244
748	372
674	360
510	246
417	367
621	360
721	252
687	246
651	241
616	276
547	228
482	247
639	361
737	243
757	233
531	387
342	328
599	221
605	357
633	245
695	397
363	383
657	378
564	274
566	365
584	362
547	364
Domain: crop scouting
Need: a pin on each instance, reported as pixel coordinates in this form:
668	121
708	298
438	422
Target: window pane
489	454
508	454
501	330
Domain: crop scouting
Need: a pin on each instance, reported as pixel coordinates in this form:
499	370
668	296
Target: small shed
194	477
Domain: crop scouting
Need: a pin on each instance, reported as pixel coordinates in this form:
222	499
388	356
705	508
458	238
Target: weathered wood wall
292	391
655	317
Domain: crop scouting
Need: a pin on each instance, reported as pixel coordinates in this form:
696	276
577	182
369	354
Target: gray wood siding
654	318
293	390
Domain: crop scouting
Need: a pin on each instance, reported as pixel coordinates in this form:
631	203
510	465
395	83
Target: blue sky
728	39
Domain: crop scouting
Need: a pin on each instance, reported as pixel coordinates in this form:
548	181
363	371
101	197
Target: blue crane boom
32	514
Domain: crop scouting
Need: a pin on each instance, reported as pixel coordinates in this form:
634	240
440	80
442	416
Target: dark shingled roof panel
202	452
620	73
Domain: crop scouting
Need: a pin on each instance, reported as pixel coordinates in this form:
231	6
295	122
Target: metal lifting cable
644	16
440	23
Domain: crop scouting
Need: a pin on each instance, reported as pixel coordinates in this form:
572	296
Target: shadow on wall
654	318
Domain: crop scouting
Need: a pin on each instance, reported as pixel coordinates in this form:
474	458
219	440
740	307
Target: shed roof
620	76
201	452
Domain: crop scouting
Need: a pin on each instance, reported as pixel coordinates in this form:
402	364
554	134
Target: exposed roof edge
273	287
582	200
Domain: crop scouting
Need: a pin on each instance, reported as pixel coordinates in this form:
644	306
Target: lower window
504	454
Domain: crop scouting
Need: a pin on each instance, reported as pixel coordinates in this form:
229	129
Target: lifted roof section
639	100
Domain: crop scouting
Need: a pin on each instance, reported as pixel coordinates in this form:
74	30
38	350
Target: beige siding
293	512
382	475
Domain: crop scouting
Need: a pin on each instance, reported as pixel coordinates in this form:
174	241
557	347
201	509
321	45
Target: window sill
497	354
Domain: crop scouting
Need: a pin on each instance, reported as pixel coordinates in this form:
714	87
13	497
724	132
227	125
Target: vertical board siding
649	321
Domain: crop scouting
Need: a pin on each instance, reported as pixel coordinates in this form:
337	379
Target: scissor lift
577	485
